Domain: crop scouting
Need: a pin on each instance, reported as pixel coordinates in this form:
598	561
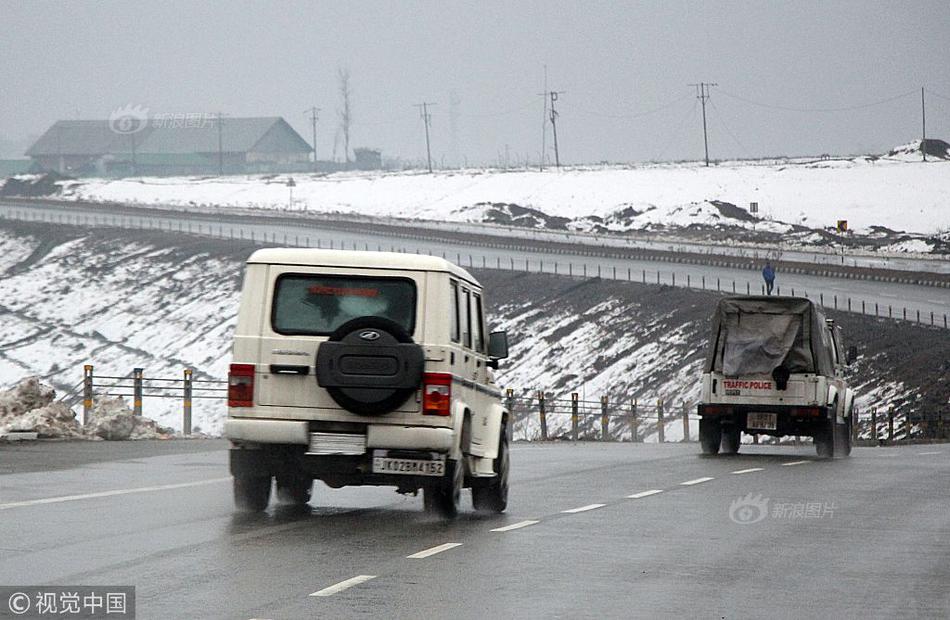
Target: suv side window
454	318
466	319
477	321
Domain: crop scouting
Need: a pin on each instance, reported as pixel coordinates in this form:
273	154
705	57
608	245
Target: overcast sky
624	67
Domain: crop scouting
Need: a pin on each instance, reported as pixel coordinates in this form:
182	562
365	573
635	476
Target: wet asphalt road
867	536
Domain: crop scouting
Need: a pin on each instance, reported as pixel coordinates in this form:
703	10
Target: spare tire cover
370	365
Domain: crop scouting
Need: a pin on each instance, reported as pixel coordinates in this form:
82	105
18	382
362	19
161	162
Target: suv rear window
315	305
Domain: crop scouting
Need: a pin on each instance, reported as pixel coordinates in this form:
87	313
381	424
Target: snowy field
897	192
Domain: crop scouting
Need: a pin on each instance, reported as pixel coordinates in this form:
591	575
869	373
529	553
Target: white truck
775	366
365	368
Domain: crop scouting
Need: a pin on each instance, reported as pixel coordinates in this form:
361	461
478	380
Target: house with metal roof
172	146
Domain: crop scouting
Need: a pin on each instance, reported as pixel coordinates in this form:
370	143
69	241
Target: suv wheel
493	497
294	489
731	440
444	497
710	436
251	493
825	440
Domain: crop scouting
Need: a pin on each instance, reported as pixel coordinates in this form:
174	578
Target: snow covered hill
893	191
164	302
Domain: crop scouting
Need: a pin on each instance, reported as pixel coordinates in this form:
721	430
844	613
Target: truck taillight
806	412
241	385
437	394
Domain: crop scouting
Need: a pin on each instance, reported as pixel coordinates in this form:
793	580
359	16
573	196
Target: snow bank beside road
866	191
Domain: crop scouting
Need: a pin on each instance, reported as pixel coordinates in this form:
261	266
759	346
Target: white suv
360	368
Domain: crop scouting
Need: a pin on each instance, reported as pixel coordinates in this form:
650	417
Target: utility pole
923	121
554	115
426	120
220	146
702	93
314	112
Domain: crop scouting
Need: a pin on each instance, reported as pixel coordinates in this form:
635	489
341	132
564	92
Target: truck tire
370	365
843	446
710	436
731	440
825	440
294	489
251	493
493	497
445	497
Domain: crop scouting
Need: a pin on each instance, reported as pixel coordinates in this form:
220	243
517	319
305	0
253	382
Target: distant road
477	251
592	531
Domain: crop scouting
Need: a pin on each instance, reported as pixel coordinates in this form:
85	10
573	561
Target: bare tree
346	112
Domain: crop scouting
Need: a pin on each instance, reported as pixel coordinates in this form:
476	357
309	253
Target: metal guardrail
526	265
137	387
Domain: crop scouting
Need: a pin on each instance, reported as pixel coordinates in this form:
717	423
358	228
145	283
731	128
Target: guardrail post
660	426
604	419
634	422
542	417
137	391
186	413
907	426
685	422
873	433
86	393
574	405
890	424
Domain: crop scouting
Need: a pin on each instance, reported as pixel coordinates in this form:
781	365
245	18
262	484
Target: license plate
764	421
410	467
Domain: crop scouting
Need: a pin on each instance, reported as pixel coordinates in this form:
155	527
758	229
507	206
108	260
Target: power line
722	121
426	120
552	96
702	93
638	114
842	109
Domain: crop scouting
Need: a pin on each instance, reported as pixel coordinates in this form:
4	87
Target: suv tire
493	497
444	497
370	376
251	493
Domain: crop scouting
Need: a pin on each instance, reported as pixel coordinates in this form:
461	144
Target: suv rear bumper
392	436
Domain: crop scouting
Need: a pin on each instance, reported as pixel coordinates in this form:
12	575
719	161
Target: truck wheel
294	489
710	436
444	497
825	440
731	440
844	437
494	497
251	493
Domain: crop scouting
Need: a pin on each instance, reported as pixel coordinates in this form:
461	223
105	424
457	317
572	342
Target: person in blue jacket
768	274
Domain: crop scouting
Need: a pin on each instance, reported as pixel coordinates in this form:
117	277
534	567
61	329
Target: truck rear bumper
789	420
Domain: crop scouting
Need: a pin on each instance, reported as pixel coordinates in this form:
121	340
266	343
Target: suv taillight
437	394
241	385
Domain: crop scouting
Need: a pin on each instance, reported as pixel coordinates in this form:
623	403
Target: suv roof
358	259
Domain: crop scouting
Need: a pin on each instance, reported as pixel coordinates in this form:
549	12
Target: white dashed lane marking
748	471
645	493
344	585
929	453
427	552
515	526
74	498
584	508
690	483
795	463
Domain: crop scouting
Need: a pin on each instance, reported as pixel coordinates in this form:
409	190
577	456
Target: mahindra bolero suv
365	368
